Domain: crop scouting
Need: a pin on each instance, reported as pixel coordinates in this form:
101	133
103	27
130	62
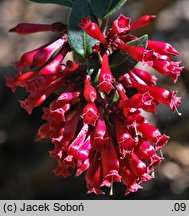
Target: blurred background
25	166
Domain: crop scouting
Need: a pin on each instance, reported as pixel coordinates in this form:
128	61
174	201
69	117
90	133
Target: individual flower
29	28
105	76
129	178
152	134
90	93
142	21
90	114
121	25
92	29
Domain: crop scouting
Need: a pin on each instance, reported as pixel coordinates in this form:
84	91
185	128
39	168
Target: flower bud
142	21
105	76
92	29
147	152
138	167
89	91
90	114
100	138
29	28
162	47
44	54
43	132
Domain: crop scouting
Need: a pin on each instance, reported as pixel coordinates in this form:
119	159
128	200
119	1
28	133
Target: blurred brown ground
26	168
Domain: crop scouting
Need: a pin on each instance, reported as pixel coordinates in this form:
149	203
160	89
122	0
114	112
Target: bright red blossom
95	122
29	28
92	29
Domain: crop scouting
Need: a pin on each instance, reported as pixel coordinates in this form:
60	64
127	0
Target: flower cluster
95	123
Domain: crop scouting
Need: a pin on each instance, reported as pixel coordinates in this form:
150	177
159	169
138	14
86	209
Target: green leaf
121	62
80	42
105	8
67	3
115	97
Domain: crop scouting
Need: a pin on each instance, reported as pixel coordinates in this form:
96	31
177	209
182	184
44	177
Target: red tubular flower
105	76
110	168
20	80
129	178
26	59
146	151
62	139
75	145
142	21
37	98
144	101
139	168
53	66
94	175
126	80
100	138
32	101
62	170
124	139
39	83
132	77
89	91
143	75
90	114
168	68
65	97
162	47
133	117
121	25
92	29
59	113
161	95
43	132
78	141
84	150
29	28
139	53
152	134
67	132
44	54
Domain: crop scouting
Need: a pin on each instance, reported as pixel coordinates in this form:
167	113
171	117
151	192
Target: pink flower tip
133	188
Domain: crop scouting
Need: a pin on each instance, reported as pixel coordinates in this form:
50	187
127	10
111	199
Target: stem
104	24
